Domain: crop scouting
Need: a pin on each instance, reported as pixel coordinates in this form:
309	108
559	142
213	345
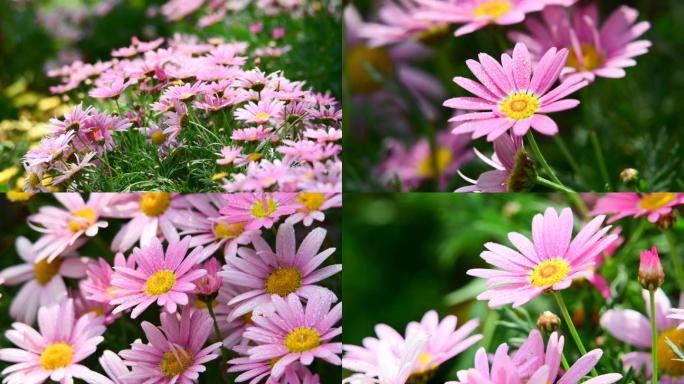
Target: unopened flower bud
629	176
207	286
548	322
523	174
666	221
651	274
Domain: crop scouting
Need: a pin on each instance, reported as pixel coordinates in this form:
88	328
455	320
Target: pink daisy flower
44	280
165	278
111	90
531	364
228	155
256	370
148	213
55	353
66	228
211	229
594	51
551	261
98	285
258	210
231	330
596	279
297	333
631	327
651	205
260	113
312	205
174	352
72	120
506	148
251	134
83	306
115	368
286	271
443	342
512	95
677	314
477	14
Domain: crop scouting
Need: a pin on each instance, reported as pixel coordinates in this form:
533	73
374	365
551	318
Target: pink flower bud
209	284
651	274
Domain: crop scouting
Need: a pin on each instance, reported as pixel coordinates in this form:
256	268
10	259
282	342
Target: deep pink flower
512	95
651	274
653	205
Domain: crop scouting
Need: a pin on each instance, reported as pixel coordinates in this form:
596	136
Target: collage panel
132	288
513	95
513	288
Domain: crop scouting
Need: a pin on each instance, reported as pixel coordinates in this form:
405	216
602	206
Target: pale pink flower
286	271
228	155
332	134
262	112
652	205
73	120
251	133
115	368
443	341
258	210
551	261
182	92
55	353
296	333
175	351
312	205
165	278
677	314
255	370
512	95
112	90
594	50
98	284
67	228
44	283
631	327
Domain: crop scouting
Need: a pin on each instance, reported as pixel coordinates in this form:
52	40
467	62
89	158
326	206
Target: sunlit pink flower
251	134
175	351
72	121
228	155
262	112
182	92
443	341
631	327
112	90
98	284
551	261
312	205
512	95
286	271
594	50
165	278
63	342
255	370
477	14
332	134
258	210
652	205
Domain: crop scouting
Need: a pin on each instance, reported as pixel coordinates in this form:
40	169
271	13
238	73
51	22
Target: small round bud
548	322
666	221
651	274
629	176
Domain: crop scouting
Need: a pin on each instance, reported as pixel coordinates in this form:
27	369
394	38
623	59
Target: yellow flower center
82	220
254	156
425	371
443	157
302	339
155	203
311	200
45	271
435	31
247	318
358	61
34	180
653	201
97	310
56	355
549	272
493	9
262	210
519	106
666	356
283	281
591	58
228	231
160	282
202	305
261	116
158	138
174	364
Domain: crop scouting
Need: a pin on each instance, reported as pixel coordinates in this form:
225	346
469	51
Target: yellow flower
7	174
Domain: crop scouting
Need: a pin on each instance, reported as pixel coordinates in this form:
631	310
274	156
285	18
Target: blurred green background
124	330
637	119
405	254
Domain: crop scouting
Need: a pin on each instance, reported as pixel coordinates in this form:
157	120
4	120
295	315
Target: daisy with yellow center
312	205
654	206
258	210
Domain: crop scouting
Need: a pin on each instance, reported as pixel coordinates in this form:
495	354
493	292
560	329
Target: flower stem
654	337
540	158
571	326
676	261
548	183
601	160
217	330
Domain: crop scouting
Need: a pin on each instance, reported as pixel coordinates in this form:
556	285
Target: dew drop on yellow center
549	272
493	9
444	157
519	106
302	339
653	201
82	219
262	210
311	200
591	58
55	356
45	271
283	281
160	282
155	203
665	355
175	364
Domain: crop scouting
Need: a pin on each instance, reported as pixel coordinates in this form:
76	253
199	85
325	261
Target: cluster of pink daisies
547	262
234	277
281	134
561	52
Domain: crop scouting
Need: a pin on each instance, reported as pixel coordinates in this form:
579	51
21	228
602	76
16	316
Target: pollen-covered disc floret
551	261
520	106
